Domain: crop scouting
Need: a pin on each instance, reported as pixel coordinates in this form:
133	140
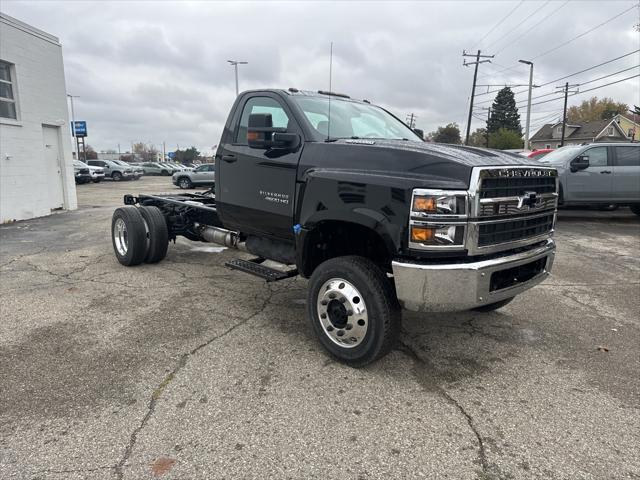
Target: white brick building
36	169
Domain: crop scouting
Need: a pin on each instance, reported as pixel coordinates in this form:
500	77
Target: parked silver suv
598	174
201	175
113	170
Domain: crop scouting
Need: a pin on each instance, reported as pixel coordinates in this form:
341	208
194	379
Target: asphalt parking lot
186	370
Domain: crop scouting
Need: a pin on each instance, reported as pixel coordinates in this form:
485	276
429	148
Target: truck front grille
511	206
513	230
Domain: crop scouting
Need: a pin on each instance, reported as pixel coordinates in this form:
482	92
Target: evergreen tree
504	113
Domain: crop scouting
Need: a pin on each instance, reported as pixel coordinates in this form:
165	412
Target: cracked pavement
186	370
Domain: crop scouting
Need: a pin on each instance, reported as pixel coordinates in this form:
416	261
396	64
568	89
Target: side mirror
262	134
580	163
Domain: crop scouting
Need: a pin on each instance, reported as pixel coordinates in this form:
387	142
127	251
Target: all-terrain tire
493	306
635	209
158	234
129	235
378	300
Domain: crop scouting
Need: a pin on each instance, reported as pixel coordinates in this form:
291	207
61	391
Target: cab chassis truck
343	193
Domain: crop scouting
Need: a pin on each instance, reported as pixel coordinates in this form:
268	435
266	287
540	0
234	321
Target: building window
7	92
548	145
558	145
559	130
610	131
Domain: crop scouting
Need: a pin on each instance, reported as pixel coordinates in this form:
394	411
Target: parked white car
96	173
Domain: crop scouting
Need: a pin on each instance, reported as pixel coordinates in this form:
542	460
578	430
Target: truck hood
469	156
403	163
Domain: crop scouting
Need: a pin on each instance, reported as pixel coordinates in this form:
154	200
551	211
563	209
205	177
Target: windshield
561	154
353	120
79	164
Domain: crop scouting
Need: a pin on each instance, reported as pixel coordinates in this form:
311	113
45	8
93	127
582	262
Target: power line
498	24
589	90
514	41
537	9
576	37
591	68
568	76
585	33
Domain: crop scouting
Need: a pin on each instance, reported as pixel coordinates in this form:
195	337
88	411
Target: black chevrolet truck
345	194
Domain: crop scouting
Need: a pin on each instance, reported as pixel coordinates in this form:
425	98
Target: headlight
443	204
438	219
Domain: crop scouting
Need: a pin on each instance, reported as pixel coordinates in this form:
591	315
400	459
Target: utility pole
487	129
235	64
526	133
164	151
411	119
564	111
73	125
473	89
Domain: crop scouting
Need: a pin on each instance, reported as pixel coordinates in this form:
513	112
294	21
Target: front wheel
164	172
116	176
635	209
353	310
184	183
493	306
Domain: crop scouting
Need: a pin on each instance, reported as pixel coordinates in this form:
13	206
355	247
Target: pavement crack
419	361
159	390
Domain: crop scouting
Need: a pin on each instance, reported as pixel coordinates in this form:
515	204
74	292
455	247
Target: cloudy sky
156	71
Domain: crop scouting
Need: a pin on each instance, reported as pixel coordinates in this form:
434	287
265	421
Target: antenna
330	75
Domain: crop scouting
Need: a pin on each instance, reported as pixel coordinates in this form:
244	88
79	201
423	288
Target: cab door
594	183
626	173
255	187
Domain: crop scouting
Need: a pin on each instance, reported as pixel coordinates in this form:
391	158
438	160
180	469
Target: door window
597	156
627	156
201	168
261	105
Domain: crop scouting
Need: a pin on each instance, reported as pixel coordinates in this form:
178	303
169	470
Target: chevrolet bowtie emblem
529	200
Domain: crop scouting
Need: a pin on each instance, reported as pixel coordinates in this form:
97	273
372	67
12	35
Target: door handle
229	158
606	171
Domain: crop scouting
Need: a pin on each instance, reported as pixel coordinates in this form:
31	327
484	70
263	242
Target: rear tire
116	176
129	235
158	235
493	306
185	183
353	310
635	209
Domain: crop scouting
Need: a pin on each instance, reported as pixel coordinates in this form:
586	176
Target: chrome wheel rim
120	237
184	183
342	313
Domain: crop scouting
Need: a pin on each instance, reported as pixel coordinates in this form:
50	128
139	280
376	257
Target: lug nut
342	300
348	327
340	333
349	312
323	316
323	302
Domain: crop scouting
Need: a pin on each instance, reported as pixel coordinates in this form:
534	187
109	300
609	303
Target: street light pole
73	125
526	133
235	64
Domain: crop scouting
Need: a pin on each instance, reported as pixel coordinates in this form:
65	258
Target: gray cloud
157	71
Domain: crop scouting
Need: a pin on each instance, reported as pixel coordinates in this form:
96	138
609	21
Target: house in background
36	169
616	129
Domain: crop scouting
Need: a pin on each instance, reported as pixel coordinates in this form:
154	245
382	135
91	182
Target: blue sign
171	155
79	128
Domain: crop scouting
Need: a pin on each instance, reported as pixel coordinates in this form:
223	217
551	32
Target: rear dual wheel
139	234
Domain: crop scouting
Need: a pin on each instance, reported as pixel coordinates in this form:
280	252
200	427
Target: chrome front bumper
451	287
